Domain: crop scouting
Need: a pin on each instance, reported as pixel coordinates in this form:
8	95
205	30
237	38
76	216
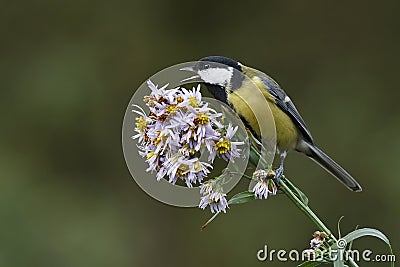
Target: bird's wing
287	106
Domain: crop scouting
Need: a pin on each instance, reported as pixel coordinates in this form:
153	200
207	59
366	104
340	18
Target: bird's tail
331	166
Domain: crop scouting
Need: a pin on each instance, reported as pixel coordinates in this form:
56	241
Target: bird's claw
279	174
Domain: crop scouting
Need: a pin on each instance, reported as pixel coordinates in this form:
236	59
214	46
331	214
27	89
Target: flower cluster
213	196
178	128
264	185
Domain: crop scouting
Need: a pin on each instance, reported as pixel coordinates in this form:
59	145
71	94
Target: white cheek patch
221	76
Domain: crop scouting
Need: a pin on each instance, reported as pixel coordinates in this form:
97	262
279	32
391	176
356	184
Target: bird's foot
279	174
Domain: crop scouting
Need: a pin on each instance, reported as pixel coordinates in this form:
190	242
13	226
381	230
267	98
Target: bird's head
217	73
216	70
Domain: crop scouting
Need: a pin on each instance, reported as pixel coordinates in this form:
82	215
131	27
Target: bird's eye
206	66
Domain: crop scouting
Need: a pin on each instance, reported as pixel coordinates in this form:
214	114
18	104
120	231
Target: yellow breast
253	104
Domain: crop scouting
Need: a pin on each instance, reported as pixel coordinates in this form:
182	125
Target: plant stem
304	208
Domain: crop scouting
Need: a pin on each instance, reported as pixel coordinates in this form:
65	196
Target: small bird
228	81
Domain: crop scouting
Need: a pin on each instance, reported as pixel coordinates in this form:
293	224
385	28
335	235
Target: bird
232	82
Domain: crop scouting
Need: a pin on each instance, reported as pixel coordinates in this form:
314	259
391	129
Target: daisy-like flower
141	124
206	188
201	122
178	166
157	94
193	97
201	170
214	197
153	159
225	147
264	185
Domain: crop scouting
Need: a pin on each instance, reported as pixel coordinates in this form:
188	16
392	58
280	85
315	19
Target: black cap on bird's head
217	72
223	61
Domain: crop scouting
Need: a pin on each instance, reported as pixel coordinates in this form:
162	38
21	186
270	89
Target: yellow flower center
193	102
182	170
197	166
158	140
141	124
223	146
202	119
172	109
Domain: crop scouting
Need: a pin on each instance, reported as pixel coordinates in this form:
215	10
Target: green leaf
242	197
338	227
254	157
364	232
351	242
312	263
338	262
296	191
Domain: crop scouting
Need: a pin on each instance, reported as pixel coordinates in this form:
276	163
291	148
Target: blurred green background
69	68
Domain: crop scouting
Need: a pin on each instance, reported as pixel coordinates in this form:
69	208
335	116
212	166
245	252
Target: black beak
194	78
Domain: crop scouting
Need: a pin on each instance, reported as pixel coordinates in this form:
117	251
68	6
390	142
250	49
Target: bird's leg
279	171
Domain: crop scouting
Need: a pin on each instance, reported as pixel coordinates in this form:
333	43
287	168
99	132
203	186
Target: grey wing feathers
284	102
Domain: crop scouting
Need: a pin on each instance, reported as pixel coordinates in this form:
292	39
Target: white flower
200	123
201	170
264	185
141	124
156	92
193	98
213	196
216	200
225	147
206	188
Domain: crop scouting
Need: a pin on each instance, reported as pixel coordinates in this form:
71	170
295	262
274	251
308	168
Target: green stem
310	214
255	156
304	208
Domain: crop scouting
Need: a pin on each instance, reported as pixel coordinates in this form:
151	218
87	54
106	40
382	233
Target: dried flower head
264	186
213	196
